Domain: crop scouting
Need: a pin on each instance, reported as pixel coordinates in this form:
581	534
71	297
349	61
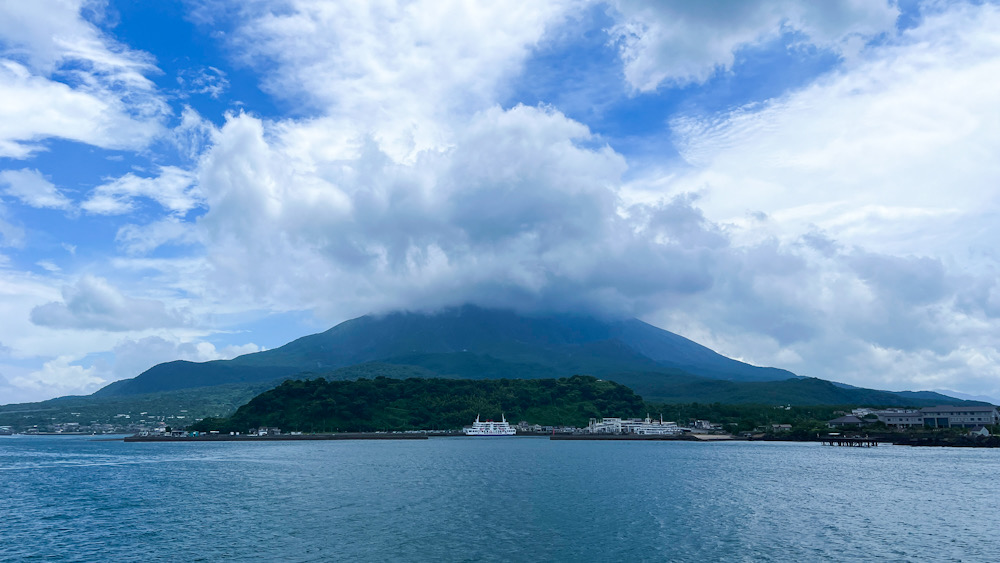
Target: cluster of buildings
947	416
525	427
646	426
69	428
101	423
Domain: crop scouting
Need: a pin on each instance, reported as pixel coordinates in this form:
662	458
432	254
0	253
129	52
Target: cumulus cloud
94	304
402	71
519	210
31	188
890	152
60	76
172	189
679	42
60	377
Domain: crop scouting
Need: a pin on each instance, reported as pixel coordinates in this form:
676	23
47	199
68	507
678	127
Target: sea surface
494	499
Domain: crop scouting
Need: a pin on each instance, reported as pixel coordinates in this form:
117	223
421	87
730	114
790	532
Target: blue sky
805	185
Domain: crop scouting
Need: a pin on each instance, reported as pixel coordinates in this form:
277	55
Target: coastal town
891	424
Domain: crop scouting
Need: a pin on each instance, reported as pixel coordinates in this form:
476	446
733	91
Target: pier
850	442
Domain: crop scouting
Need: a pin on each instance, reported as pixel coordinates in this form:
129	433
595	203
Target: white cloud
400	71
891	152
141	239
172	189
94	304
31	188
679	42
61	77
49	266
193	134
204	80
501	213
60	377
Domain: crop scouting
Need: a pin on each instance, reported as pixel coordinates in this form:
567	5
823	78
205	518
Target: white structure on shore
646	426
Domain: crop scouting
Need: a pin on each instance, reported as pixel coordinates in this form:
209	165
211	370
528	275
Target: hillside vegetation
415	404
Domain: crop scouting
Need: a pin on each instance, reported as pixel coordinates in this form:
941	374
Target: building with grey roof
951	416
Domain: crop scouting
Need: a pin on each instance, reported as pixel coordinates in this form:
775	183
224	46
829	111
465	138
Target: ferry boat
490	428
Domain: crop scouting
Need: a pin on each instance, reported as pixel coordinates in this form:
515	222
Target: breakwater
277	438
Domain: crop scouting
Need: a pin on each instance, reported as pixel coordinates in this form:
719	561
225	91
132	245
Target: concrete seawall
278	438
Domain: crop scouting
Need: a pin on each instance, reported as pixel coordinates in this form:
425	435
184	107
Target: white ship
490	428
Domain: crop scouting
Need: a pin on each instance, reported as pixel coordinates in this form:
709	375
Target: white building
645	426
961	417
900	418
946	416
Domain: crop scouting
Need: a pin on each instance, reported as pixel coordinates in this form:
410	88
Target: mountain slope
466	339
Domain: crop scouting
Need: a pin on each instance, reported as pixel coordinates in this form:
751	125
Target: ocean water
493	499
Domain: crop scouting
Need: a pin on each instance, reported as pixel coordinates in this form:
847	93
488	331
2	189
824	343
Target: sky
806	185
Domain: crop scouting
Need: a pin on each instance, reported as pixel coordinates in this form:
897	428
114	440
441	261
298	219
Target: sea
76	498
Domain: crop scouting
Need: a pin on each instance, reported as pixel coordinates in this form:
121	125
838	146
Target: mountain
465	342
475	343
967	397
668	388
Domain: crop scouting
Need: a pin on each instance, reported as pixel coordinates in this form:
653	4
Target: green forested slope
414	404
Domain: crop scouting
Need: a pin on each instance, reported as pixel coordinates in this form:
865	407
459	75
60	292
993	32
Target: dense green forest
414	404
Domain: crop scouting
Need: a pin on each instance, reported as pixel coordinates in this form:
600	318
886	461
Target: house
979	431
781	428
525	426
845	422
